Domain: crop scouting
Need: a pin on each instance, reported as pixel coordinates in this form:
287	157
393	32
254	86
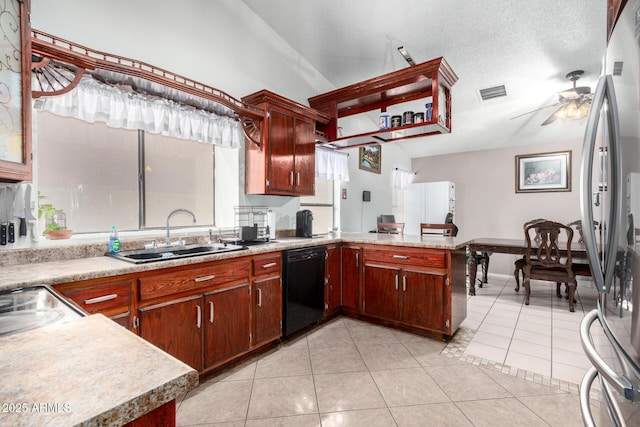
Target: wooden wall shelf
428	79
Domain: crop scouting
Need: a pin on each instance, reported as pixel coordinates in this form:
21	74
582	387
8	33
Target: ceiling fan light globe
561	113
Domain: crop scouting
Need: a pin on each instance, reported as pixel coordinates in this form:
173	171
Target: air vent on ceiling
493	92
617	68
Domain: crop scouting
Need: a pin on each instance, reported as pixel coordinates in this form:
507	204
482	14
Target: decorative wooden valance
58	65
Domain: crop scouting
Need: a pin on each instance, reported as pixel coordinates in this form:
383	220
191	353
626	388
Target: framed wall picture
543	172
370	158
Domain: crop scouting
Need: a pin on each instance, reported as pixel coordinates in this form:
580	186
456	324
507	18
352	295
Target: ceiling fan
572	103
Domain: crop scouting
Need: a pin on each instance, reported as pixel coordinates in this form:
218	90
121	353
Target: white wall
359	216
486	202
221	43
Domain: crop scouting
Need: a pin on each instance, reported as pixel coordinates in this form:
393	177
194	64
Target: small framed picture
543	172
370	158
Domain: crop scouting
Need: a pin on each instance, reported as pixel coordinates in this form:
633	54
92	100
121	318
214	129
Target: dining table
488	246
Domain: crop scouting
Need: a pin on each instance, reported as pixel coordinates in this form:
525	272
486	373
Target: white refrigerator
427	202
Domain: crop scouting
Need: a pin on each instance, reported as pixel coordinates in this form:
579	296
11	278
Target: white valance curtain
401	178
332	165
121	107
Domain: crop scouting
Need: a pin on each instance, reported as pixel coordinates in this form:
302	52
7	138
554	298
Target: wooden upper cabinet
283	161
614	8
15	129
430	81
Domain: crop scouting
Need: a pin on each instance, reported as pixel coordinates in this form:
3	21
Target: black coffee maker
304	223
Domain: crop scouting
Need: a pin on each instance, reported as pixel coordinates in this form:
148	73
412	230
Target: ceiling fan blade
575	93
533	111
552	118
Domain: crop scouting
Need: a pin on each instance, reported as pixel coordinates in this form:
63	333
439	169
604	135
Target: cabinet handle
298	179
259	297
291	178
357	259
101	299
404	283
204	278
211	308
198	316
400	257
396	282
269	265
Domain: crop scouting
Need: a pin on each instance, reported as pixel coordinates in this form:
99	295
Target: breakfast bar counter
87	372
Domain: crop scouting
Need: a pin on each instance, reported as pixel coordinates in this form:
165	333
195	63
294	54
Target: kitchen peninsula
412	283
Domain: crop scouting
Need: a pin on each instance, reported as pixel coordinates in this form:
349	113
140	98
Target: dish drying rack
248	216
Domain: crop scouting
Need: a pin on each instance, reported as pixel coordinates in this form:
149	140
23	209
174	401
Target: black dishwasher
303	288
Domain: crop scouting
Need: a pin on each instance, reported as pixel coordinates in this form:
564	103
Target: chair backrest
533	221
386	218
436	229
550	251
391	227
578	226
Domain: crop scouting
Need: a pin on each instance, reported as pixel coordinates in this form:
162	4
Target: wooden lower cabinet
351	267
333	288
410	296
411	287
381	296
424	299
112	297
267	309
226	326
203	330
176	327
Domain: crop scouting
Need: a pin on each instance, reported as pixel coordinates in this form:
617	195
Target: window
91	172
321	205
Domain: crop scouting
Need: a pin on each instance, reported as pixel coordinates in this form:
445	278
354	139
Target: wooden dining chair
577	224
391	227
580	268
519	264
436	229
550	259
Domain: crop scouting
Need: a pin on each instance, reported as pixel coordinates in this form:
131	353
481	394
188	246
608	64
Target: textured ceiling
527	46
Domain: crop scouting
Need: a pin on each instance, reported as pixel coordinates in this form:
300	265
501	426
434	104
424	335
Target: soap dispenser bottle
114	242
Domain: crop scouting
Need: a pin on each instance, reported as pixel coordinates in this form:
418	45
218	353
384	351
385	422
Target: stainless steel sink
166	253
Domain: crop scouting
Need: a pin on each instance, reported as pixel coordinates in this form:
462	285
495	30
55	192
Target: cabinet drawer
195	278
102	297
267	264
420	257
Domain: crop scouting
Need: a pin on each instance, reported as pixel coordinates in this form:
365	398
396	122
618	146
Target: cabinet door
267	309
424	299
351	259
15	144
175	327
226	323
304	158
381	291
281	167
332	276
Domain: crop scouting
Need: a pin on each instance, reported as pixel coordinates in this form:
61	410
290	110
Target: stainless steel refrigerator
610	194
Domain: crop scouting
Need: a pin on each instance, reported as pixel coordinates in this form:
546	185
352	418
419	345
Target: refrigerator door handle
615	414
621	383
603	275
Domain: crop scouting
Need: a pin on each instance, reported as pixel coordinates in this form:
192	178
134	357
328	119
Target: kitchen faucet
172	213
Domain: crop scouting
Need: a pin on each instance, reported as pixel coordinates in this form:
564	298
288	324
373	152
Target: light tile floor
508	365
543	337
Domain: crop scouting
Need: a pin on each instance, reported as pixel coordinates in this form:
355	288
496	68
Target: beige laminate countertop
54	272
93	372
88	372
